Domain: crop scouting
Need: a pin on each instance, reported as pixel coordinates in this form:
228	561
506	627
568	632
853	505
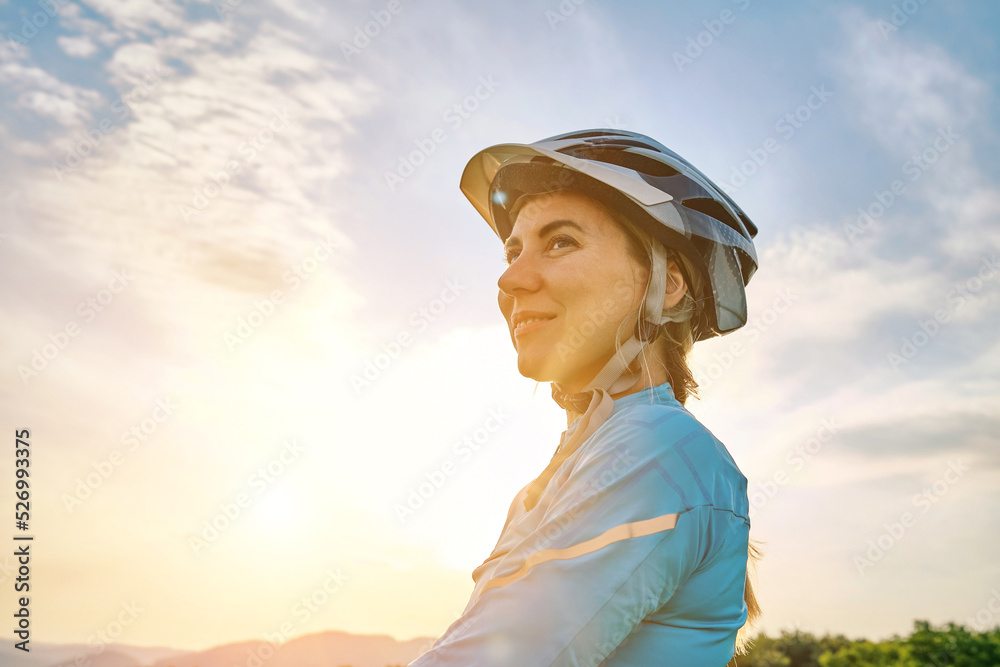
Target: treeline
927	646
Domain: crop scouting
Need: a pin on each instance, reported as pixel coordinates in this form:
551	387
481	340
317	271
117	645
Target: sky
247	312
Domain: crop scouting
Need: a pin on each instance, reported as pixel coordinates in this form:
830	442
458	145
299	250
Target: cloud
970	434
906	88
303	10
72	20
80	46
252	114
852	299
926	110
41	93
141	18
61	109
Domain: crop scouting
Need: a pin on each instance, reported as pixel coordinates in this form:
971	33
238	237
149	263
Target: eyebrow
546	229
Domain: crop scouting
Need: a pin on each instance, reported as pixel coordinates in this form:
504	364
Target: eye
559	238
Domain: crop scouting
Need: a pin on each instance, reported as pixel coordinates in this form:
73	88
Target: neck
650	377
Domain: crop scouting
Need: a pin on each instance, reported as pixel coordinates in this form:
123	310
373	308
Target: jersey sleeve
630	523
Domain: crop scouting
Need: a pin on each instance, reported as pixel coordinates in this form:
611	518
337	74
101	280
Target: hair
677	334
678	340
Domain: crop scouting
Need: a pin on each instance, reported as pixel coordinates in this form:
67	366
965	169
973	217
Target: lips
528	322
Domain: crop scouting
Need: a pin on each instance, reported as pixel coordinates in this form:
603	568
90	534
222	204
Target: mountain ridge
329	648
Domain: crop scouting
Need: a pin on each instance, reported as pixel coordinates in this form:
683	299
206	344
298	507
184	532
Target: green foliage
863	653
950	645
791	649
954	645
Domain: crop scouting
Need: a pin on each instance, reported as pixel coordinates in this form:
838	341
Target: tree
953	644
863	653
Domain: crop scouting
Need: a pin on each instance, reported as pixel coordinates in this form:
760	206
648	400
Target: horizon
754	635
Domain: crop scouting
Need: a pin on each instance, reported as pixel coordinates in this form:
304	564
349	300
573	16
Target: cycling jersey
635	554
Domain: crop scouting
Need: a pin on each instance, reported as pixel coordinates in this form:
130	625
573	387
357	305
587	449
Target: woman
631	547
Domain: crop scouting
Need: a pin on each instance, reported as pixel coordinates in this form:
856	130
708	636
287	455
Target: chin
534	367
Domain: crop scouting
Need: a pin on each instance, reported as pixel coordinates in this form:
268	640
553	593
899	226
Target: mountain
323	649
112	655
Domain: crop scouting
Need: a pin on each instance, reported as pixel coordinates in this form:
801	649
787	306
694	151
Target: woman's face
568	265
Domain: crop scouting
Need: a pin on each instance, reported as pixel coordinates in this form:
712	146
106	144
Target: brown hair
677	336
677	342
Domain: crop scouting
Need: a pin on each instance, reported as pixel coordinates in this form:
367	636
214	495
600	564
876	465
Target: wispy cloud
81	46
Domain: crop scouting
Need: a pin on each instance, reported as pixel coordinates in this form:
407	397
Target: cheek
506	304
599	315
601	311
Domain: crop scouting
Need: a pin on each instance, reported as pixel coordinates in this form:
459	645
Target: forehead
530	211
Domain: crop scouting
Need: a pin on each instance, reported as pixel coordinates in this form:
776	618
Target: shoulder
665	439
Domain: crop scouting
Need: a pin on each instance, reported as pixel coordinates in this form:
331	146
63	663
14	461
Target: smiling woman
632	546
593	269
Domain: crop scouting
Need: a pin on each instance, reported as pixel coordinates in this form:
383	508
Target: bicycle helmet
651	185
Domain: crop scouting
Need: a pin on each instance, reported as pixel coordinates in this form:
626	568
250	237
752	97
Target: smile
530	325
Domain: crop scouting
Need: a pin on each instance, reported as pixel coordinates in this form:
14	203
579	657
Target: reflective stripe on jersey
616	534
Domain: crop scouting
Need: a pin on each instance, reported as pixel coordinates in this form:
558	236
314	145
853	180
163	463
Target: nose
522	276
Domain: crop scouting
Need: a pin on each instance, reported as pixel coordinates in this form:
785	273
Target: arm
621	534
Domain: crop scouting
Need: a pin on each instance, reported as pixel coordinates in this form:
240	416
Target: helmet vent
614	155
716	210
589	134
